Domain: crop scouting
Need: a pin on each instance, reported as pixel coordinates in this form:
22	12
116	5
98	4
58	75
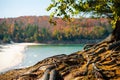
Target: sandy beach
12	54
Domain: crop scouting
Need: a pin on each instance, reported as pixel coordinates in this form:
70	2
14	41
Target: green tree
3	30
17	34
31	33
106	8
4	35
45	35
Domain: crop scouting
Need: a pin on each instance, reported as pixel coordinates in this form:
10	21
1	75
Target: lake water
31	54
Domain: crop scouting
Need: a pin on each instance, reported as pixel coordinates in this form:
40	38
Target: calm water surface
35	53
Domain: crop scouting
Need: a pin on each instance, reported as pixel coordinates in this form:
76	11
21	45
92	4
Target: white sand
12	54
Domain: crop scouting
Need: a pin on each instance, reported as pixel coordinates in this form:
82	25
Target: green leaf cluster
70	8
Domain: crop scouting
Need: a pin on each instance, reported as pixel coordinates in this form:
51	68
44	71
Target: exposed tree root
100	61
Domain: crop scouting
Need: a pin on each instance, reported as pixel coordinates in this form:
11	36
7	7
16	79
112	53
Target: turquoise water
36	53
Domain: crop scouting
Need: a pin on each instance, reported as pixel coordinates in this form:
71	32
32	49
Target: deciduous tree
106	8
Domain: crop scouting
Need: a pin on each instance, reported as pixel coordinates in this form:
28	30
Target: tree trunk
116	31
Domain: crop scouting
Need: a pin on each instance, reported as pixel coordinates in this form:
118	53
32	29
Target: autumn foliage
38	29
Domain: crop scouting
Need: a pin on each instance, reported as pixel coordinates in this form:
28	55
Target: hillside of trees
38	29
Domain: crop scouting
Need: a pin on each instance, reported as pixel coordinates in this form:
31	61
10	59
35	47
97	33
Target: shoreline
81	41
12	55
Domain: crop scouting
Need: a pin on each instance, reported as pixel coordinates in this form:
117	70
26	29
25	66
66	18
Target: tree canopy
38	29
69	8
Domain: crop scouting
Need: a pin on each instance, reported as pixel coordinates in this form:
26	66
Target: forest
39	29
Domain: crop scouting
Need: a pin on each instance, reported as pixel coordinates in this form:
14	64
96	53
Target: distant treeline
38	29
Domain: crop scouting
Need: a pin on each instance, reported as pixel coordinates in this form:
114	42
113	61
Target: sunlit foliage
38	29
